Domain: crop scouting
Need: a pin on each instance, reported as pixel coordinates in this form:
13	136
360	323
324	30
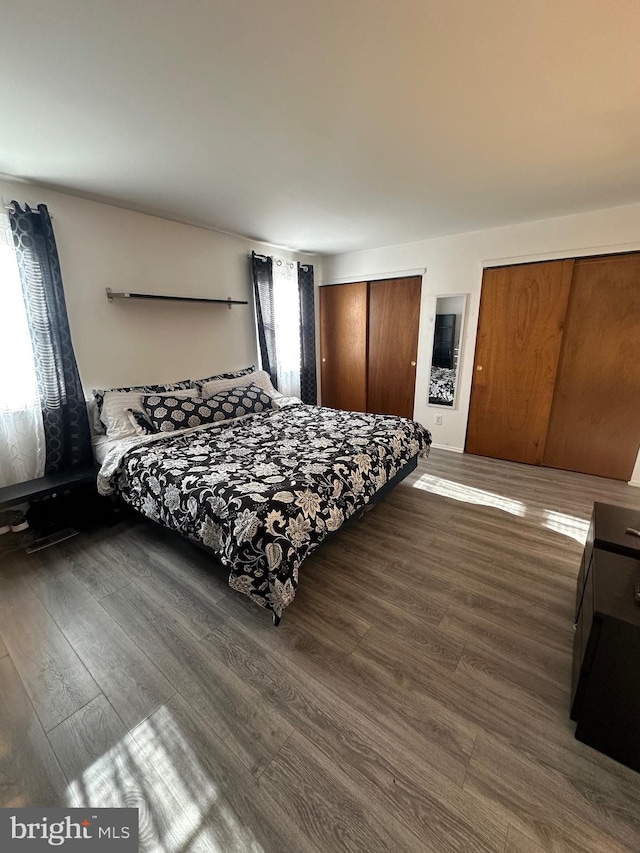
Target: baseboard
635	483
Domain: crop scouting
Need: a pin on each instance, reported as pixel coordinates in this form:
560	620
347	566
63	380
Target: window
22	445
285	324
18	383
286	312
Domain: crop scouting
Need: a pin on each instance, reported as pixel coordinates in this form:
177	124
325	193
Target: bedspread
265	491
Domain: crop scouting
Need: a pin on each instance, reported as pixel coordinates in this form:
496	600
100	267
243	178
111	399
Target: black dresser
606	651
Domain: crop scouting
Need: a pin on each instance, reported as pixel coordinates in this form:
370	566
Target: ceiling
326	125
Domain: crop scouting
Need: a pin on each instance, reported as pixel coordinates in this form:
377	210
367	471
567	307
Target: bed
262	492
442	386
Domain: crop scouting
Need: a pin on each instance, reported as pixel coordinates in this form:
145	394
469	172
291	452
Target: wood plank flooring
53	674
414	698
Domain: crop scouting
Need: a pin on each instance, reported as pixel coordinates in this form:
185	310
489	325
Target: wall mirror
445	354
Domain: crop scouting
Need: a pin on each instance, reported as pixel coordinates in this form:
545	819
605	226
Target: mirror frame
463	318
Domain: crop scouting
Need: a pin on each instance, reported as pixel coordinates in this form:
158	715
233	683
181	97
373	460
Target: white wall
454	265
127	342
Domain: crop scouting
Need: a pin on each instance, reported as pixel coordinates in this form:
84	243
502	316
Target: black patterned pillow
98	394
168	414
237	402
235	375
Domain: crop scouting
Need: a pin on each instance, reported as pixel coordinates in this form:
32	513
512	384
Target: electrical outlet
437	419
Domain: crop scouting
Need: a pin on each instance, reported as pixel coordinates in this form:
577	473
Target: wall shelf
111	295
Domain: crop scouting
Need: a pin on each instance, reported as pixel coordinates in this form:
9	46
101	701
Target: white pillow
259	377
115	417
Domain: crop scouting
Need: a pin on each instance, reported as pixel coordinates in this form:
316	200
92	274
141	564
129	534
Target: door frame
378	276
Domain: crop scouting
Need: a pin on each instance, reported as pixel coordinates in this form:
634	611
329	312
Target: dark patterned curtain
64	411
262	274
308	387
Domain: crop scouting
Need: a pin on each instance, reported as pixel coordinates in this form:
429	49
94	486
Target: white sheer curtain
22	444
286	310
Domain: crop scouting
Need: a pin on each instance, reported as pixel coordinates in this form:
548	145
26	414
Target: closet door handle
413	364
324	359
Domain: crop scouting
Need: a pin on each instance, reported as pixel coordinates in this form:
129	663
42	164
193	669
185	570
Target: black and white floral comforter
264	492
442	385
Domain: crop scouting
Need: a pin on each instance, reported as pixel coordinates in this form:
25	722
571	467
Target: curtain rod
276	258
10	207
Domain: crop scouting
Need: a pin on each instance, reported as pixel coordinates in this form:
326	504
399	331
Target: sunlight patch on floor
568	525
180	807
469	494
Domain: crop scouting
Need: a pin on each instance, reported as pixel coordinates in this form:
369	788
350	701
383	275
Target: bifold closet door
522	314
343	346
595	417
394	317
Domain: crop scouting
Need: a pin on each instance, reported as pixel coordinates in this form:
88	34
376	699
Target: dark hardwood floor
414	698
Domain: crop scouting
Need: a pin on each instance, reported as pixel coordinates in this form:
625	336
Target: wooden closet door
595	417
394	316
522	313
343	346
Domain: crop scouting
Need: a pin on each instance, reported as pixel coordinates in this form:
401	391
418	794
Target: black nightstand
45	486
68	499
606	652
